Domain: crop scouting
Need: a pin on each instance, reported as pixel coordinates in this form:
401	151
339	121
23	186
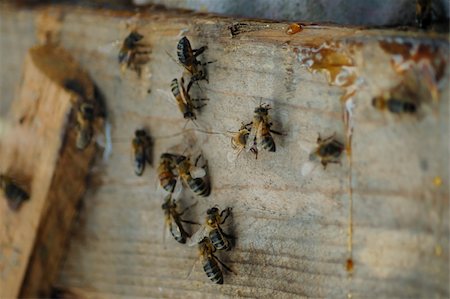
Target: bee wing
308	167
177	190
251	139
167	96
109	47
258	135
198	236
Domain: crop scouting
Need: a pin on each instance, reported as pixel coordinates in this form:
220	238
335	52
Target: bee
194	177
142	148
13	193
173	219
212	230
184	101
188	58
329	151
211	262
394	105
130	50
84	118
260	137
239	142
166	174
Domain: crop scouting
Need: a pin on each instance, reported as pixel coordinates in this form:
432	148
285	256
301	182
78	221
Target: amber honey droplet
294	28
350	265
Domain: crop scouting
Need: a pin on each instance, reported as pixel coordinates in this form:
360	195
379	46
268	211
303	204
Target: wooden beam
38	147
385	208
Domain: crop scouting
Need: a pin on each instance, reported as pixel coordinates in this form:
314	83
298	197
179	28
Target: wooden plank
33	237
292	229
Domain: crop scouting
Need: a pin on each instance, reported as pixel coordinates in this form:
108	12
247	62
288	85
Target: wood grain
292	229
33	238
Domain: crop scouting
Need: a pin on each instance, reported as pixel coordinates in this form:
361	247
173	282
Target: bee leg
198	103
326	139
276	132
209	62
199	51
223	265
189	222
228	213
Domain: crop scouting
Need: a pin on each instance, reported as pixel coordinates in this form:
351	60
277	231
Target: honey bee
13	193
84	118
130	50
142	148
239	142
329	151
194	177
260	137
212	230
394	105
211	262
173	220
166	175
188	58
185	103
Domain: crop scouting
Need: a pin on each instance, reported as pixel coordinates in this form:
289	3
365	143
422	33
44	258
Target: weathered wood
292	229
34	147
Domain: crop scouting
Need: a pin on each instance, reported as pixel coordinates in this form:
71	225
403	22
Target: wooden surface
33	238
292	229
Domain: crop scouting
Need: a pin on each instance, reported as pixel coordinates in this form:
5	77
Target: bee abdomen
184	51
178	235
174	87
268	143
218	240
213	271
15	195
398	106
167	181
199	186
139	164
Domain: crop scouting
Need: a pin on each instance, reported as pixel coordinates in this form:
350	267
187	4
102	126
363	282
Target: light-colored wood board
292	230
36	150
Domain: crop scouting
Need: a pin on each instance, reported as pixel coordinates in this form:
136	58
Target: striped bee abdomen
268	143
199	186
167	180
174	87
213	271
178	232
218	240
184	51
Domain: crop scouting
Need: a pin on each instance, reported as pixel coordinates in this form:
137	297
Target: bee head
132	39
139	133
212	211
189	115
262	109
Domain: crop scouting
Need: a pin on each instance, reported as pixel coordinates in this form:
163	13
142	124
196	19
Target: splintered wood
37	149
375	225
